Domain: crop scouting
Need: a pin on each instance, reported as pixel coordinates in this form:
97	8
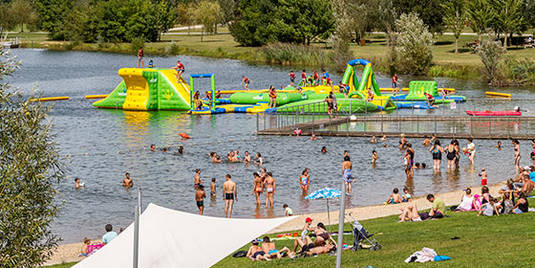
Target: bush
413	45
516	71
172	49
490	53
291	54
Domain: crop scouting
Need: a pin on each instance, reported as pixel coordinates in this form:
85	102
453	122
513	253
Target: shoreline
65	253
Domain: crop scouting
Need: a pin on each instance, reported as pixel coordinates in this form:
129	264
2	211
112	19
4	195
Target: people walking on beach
245	82
258	187
127	181
470	150
140	62
272	97
347	167
179	70
199	198
230	194
436	152
304	181
292	77
271	188
516	145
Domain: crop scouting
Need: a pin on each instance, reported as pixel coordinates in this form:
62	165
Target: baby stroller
360	234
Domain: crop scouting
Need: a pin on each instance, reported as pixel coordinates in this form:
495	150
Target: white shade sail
170	238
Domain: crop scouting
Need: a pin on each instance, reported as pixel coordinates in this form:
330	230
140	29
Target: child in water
499	145
323	150
212	188
483	175
374	157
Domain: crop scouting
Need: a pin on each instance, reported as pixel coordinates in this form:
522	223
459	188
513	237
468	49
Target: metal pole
257	118
139	204
341	226
136	238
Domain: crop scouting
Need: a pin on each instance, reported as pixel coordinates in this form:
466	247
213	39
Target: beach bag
240	254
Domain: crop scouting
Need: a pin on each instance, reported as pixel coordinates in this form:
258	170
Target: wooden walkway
331	127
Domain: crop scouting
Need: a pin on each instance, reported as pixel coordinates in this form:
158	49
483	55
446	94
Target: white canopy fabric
170	238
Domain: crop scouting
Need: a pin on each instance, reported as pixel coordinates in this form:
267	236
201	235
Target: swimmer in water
402	142
433	138
259	160
323	150
180	149
230	194
373	140
499	145
215	158
212	188
153	148
258	187
427	141
246	158
347	166
271	188
199	199
383	138
374	157
78	184
517	156
304	181
346	153
127	181
197	179
313	137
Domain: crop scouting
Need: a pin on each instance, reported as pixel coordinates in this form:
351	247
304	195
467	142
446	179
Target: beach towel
424	255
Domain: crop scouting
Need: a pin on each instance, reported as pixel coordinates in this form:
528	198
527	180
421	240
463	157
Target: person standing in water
199	198
258	187
516	145
197	179
375	157
230	194
304	181
470	150
127	181
436	151
212	188
347	166
271	189
140	62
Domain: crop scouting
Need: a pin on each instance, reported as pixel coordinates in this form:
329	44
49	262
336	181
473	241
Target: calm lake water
101	145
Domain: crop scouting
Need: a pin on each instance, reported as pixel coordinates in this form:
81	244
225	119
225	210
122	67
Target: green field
499	241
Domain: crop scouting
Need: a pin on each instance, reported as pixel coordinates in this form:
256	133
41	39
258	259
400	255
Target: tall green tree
23	13
52	15
430	11
7	21
30	168
455	18
165	16
366	9
480	15
228	10
508	17
413	44
341	36
208	13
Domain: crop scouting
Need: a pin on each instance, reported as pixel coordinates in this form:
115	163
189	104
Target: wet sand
69	252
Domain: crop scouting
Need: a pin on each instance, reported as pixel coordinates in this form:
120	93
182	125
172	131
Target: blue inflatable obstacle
414	105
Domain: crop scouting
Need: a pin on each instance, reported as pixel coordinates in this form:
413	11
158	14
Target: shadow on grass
443	43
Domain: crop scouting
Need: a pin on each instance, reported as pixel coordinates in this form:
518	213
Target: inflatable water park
148	89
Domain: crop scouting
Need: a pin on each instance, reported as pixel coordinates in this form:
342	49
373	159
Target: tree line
258	22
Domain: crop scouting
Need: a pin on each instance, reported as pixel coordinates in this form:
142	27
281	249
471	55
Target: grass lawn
499	241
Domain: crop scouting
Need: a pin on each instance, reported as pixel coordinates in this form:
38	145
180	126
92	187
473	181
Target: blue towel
442	258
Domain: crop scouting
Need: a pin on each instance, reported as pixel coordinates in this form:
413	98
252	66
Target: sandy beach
69	252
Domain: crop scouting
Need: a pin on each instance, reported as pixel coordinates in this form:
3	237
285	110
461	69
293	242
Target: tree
480	15
164	15
7	21
508	18
364	20
455	18
413	44
23	13
490	53
430	11
29	169
208	13
52	15
341	36
186	14
228	10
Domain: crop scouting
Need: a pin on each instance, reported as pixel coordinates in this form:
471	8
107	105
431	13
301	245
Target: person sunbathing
394	198
255	253
322	236
272	252
328	247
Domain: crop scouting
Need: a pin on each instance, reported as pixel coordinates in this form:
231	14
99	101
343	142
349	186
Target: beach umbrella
325	193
